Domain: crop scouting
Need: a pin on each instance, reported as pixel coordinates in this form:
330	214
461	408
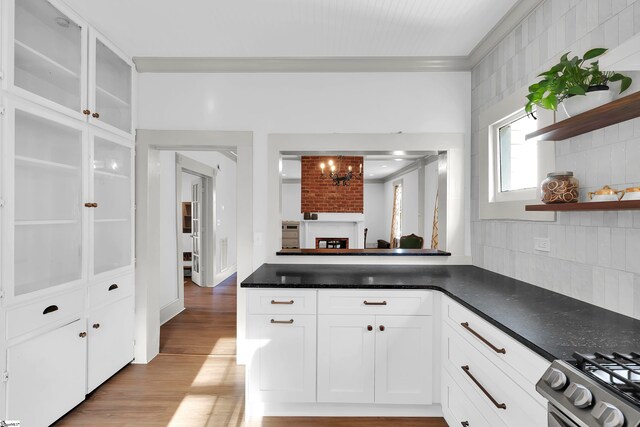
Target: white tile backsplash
595	256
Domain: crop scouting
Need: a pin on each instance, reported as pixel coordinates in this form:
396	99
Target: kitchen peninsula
381	337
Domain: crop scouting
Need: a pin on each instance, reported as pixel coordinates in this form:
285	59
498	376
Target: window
516	158
511	167
396	216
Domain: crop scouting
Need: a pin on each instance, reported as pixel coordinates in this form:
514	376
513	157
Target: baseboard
224	275
256	410
171	310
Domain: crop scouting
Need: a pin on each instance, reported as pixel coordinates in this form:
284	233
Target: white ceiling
375	166
294	28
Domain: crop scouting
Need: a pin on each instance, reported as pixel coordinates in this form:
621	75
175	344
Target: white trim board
148	144
349	64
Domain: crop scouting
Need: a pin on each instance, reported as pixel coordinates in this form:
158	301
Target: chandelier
335	174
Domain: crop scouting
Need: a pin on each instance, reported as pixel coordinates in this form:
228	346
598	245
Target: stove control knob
555	378
608	415
579	395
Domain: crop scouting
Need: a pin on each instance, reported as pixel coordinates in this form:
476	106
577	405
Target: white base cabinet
110	341
374	359
284	364
47	375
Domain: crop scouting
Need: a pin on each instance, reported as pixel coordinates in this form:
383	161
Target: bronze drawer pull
113	287
281	302
375	303
483	339
466	370
82	334
95	115
286	322
369	328
50	309
465	424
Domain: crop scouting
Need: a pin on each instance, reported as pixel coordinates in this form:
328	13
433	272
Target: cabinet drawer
375	302
500	348
110	291
458	409
33	316
290	234
481	380
281	301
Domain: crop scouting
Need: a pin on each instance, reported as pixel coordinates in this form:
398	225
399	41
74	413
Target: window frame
493	203
495	159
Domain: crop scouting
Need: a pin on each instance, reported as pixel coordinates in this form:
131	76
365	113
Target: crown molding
342	64
350	64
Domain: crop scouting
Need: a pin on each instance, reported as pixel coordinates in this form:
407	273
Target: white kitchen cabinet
45	186
46	375
403	368
111	186
110	341
375	359
283	365
346	352
55	59
69	217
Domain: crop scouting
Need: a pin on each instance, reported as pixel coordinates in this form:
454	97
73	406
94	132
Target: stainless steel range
596	390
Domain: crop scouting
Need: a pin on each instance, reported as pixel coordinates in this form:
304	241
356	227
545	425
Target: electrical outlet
542	244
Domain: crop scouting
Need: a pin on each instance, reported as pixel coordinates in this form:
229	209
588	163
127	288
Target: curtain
396	217
434	232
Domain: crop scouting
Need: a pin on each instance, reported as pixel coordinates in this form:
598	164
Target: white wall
304	103
594	255
291	202
167	231
375	211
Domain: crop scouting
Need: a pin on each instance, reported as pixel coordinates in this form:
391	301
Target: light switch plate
542	244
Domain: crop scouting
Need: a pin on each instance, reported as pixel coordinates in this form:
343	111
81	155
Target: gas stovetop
618	371
596	390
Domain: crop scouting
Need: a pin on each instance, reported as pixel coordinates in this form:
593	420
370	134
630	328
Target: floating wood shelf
586	206
620	110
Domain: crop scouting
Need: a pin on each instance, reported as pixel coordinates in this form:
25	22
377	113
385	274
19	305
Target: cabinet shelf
47	222
110	174
46	69
585	206
111	220
620	110
114	98
45	163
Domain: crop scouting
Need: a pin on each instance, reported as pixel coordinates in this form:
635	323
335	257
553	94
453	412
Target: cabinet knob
82	334
382	328
86	112
96	115
95	205
88	205
369	328
465	424
96	325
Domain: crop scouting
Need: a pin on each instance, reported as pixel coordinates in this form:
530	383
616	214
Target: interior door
196	241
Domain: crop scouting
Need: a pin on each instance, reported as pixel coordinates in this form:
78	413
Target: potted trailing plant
577	83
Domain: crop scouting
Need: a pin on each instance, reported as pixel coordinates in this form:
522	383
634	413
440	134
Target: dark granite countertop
364	252
553	325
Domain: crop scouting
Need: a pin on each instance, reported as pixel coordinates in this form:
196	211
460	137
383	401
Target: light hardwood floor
195	381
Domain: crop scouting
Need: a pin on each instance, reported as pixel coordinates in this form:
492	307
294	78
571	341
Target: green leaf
594	53
624	85
550	102
616	77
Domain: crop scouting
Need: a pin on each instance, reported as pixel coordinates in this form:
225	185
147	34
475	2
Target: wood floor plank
195	381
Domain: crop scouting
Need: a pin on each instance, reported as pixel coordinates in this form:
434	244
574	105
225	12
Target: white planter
579	104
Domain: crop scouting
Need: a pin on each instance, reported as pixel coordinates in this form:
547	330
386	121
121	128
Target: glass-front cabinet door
113	194
48	55
110	87
47	204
